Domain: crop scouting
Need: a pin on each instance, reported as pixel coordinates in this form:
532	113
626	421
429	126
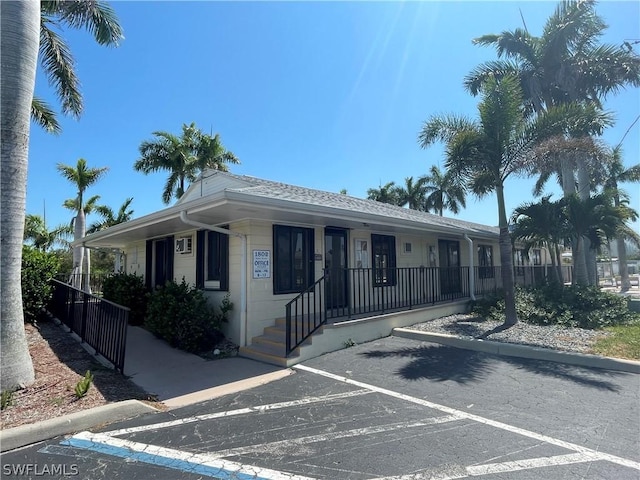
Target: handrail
315	315
99	323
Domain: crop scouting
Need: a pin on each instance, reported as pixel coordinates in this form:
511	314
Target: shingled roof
258	187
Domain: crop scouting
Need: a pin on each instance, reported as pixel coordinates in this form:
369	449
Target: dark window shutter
169	256
224	262
200	243
148	270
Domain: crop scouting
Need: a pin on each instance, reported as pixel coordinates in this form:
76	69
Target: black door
450	275
159	262
335	264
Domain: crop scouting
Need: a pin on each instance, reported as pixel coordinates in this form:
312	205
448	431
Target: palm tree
597	219
109	218
617	173
443	191
411	194
184	157
36	232
56	58
387	193
82	177
20	27
541	225
486	152
566	64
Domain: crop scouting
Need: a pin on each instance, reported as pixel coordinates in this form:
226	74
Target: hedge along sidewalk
522	351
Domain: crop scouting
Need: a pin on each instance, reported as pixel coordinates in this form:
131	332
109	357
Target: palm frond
59	67
43	115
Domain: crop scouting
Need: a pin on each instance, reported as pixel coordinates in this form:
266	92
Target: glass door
335	264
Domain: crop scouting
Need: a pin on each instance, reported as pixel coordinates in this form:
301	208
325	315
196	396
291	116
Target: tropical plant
40	237
443	191
412	194
184	157
387	193
21	25
484	153
617	173
597	219
109	218
541	225
566	64
56	59
38	268
82	177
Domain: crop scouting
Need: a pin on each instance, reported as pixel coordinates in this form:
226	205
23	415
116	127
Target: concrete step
254	354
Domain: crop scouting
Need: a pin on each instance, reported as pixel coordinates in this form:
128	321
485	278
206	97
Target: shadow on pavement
441	363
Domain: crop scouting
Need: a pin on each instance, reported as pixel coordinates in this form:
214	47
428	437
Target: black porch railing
80	281
357	292
99	323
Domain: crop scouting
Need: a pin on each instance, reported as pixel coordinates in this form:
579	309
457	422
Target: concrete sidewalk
179	378
175	377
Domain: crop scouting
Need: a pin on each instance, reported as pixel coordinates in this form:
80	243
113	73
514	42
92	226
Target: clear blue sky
328	95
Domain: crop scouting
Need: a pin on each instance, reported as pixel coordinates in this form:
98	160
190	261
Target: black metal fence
99	323
91	283
358	292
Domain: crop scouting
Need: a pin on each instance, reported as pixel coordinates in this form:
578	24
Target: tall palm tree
617	173
89	206
566	64
412	194
82	177
184	157
19	27
36	232
541	225
443	191
109	218
486	152
387	193
56	59
20	30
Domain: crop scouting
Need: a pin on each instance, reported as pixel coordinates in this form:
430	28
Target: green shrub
38	268
181	315
6	399
82	387
130	291
572	306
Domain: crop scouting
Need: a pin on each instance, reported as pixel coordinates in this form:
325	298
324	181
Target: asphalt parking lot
393	409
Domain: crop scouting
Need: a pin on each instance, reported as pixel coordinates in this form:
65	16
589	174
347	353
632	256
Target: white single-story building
314	260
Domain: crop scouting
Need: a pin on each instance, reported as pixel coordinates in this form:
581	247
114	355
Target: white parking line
240	411
459	472
326	437
595	455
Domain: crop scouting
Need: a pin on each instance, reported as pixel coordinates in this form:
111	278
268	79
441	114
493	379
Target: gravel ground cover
551	336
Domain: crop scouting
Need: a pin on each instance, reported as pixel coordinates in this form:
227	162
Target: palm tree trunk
584	189
19	30
78	250
580	265
506	261
622	265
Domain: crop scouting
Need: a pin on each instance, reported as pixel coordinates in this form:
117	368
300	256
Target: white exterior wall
184	264
135	258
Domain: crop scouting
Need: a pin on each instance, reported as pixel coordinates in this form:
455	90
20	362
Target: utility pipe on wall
472	277
243	270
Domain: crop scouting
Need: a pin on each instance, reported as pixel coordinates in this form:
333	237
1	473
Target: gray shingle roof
282	191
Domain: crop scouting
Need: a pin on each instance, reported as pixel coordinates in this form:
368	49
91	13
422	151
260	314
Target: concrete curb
523	351
226	389
23	435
